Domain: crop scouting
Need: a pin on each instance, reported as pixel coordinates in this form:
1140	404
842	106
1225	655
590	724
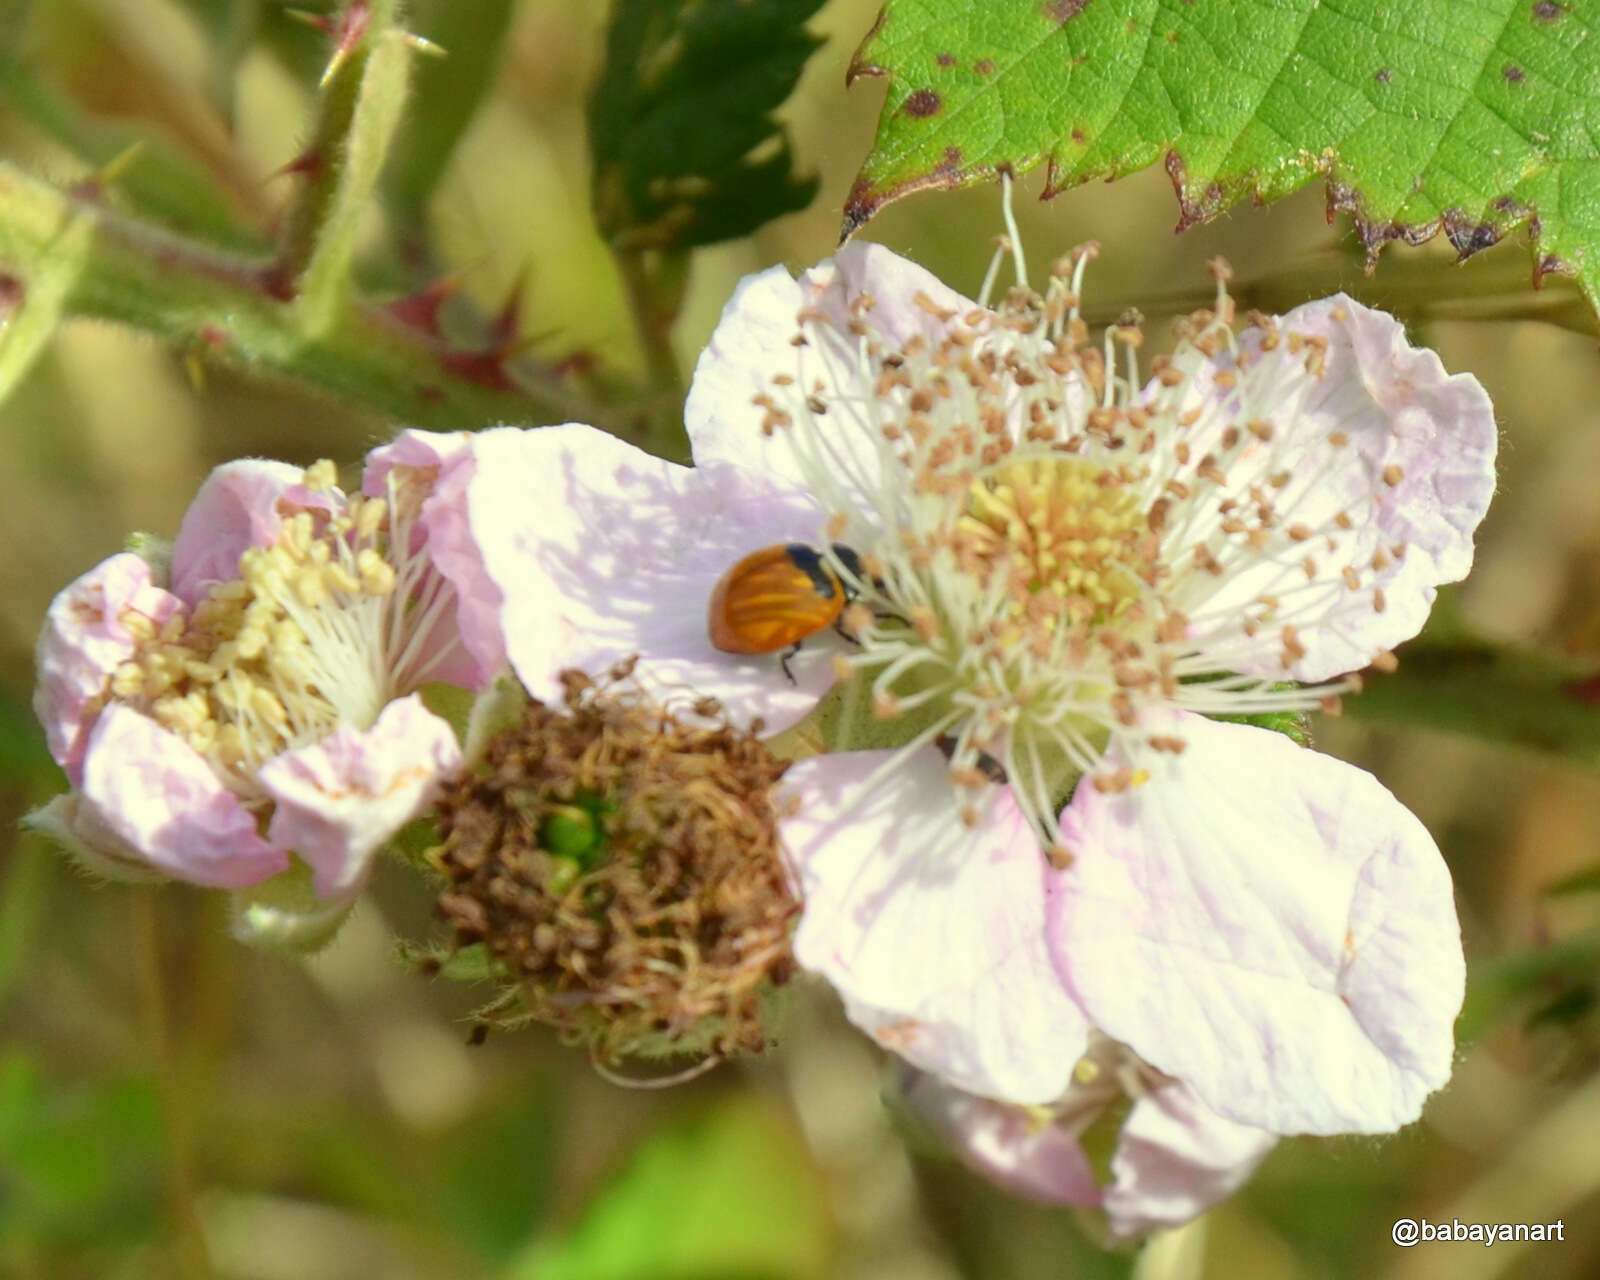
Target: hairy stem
229	307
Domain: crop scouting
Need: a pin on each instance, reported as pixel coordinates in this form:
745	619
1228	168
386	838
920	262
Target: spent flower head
619	863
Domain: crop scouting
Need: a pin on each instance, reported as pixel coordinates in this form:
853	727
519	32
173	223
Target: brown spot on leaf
1550	264
1192	208
1063	11
984	66
923	103
12	291
1467	236
946	59
1383	75
1548	11
1513	73
1079	137
1172	36
951	161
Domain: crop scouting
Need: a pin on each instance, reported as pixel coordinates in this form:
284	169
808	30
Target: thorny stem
223	306
358	107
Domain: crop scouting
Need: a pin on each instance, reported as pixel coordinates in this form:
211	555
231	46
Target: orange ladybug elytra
775	597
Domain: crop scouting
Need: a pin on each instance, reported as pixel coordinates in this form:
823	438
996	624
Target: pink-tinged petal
78	831
236	509
1017	1148
157	795
603	551
85	638
1176	1158
931	931
753	343
1268	924
1378	473
443	532
338	800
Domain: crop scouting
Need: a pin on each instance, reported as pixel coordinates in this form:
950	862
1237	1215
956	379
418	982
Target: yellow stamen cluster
305	638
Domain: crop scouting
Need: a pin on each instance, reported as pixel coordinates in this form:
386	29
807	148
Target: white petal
1018	1148
1176	1158
931	931
85	638
1268	924
235	509
163	803
603	551
1384	467
338	800
443	533
753	343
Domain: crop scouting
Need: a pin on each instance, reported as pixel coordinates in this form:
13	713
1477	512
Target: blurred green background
173	1105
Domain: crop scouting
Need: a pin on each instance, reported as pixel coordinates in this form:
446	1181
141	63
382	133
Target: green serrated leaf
1428	117
686	151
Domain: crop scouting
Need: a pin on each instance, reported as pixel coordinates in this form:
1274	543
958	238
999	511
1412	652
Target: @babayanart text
1409	1231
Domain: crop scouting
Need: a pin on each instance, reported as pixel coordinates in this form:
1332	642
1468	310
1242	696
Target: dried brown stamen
622	869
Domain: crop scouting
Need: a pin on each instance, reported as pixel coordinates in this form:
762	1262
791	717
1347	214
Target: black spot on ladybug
923	103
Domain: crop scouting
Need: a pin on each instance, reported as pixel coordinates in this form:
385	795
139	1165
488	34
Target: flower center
1059	540
323	627
1049	547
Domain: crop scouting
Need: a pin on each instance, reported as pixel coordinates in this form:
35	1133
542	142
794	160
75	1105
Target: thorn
503	330
321	21
12	293
308	161
119	164
92	187
196	369
420	310
347	34
423	45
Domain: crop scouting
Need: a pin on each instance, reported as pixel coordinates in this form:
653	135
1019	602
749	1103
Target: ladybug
775	597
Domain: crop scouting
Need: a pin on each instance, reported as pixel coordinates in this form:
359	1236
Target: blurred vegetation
172	1105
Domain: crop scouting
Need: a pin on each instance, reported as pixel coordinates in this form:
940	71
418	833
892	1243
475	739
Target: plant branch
227	307
358	108
1414	286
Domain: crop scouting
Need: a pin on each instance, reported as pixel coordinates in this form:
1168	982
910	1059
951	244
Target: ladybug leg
784	661
838	625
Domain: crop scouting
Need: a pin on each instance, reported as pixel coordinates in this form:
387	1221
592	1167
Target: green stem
655	281
190	1243
226	306
357	110
1419	286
